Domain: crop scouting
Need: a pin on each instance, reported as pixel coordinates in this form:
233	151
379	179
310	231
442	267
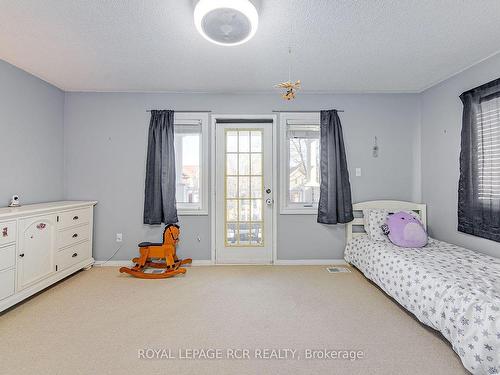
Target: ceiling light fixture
226	22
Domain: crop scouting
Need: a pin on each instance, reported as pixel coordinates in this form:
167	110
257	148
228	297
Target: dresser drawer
72	236
7	232
73	255
7	283
72	218
7	257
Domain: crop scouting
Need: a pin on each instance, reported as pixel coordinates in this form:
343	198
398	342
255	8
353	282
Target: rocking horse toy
167	264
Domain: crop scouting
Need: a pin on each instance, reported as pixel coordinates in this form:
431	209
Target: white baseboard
202	262
128	263
206	262
310	262
112	263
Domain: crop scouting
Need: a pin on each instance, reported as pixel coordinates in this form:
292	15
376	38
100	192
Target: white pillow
374	219
416	215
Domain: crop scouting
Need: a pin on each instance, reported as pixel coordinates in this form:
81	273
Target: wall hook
375	148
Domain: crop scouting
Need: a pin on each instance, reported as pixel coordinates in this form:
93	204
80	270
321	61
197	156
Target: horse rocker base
155	257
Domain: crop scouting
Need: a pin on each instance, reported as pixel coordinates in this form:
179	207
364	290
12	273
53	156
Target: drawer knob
75	217
75	235
21	255
75	255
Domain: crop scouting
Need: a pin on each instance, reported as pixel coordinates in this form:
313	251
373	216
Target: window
488	158
191	162
479	184
300	155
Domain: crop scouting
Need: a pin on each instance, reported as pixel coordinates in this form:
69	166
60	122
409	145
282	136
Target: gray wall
93	146
441	126
31	137
105	149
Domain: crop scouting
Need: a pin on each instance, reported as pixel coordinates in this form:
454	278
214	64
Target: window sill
299	211
192	212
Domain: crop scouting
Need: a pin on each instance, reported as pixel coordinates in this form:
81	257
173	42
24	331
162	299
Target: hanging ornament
289	86
291	89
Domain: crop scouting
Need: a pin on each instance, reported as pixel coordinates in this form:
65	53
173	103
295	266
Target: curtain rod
149	110
338	110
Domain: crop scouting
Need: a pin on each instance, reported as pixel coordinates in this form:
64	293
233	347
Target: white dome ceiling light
226	22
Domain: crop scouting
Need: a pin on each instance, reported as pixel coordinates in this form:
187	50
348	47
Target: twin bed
449	288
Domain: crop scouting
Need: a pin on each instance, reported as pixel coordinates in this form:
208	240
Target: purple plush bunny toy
405	230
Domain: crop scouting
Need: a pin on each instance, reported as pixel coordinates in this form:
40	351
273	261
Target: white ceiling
338	45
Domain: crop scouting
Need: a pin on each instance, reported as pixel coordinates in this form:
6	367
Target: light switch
358	172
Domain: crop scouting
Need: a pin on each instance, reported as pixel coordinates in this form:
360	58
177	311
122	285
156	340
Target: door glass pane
256	187
231	164
244	187
244	210
245	234
244	141
231	187
244	194
256	141
232	210
231	230
244	164
256	234
232	141
256	210
256	164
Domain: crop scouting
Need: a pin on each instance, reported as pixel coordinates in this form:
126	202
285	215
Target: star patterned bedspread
451	289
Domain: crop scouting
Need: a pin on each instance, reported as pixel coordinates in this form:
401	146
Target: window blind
187	126
488	147
302	130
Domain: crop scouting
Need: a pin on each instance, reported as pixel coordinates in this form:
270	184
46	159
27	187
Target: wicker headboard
392	206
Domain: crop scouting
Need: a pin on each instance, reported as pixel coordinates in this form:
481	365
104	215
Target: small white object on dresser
41	244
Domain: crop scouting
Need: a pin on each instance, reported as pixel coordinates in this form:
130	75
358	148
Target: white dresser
41	244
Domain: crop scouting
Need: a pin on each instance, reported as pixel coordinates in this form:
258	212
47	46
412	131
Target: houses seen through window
304	174
300	162
187	149
191	162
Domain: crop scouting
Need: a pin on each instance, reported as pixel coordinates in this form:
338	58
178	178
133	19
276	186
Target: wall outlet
358	172
119	237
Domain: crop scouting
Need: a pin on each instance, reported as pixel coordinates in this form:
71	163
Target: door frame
213	181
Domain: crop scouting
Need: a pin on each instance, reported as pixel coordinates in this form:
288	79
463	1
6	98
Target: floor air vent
338	269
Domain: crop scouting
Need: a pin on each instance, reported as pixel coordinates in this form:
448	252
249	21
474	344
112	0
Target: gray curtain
335	205
159	196
479	185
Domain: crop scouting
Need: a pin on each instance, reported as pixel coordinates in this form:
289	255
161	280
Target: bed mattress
451	289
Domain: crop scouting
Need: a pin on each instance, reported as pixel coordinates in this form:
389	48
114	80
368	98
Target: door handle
75	217
75	255
21	255
75	235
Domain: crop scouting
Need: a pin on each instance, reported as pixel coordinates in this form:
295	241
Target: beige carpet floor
96	321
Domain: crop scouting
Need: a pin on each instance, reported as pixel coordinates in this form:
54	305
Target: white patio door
244	195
